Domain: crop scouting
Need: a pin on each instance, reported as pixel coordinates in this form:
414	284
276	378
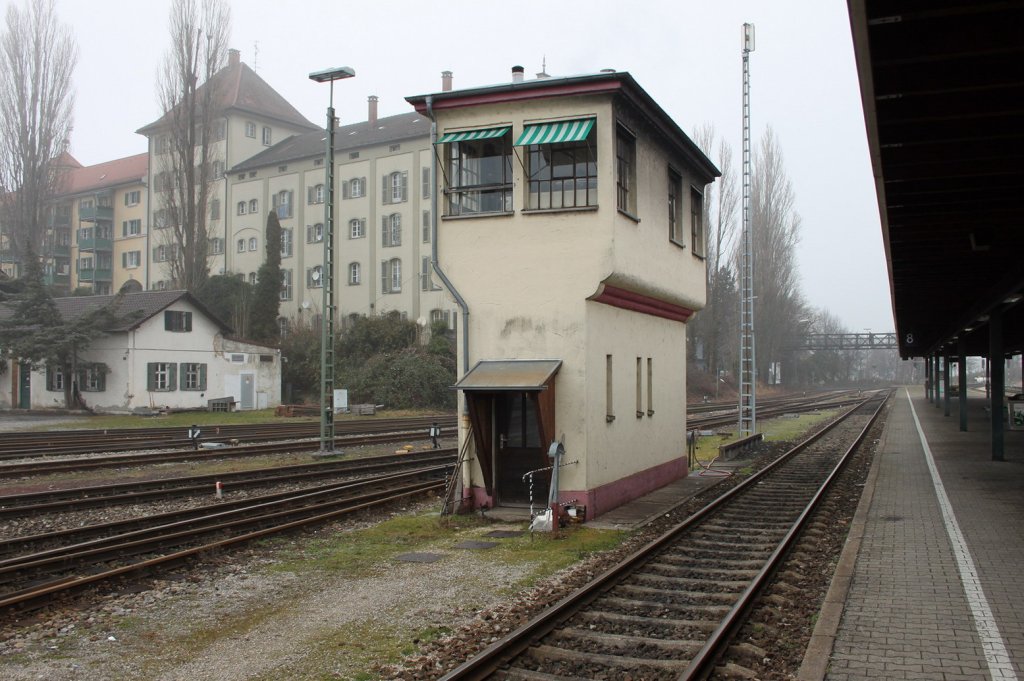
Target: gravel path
241	619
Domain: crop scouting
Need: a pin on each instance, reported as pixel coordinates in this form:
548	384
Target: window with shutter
396	275
397	184
425	179
426	226
54	379
396	229
286	284
161	376
286	243
357	228
425	274
193	376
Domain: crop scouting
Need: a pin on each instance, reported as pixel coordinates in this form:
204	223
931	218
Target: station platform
929	585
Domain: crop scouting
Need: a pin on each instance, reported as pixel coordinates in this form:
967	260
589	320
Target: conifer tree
267	299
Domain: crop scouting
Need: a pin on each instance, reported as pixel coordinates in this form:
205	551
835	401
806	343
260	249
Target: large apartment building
273	160
107	230
253	117
382	219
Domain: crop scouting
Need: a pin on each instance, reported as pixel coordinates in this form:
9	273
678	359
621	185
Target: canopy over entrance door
512	410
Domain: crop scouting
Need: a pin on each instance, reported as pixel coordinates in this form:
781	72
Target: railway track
59	451
669	610
269	449
29	581
74	498
26	445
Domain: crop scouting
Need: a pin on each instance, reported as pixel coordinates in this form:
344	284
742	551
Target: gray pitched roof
346	137
134	308
239	88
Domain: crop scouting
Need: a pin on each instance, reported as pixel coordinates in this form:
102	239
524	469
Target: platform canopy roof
942	85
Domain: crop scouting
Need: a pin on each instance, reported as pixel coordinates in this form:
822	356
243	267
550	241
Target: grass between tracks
357	554
774	429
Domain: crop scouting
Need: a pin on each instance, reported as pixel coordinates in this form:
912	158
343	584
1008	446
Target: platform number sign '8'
910	339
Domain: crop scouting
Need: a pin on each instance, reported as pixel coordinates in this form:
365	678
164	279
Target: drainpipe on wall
435	265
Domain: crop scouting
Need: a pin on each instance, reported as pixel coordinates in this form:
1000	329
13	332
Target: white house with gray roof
168	351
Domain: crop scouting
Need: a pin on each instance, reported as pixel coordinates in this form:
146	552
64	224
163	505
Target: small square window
177	320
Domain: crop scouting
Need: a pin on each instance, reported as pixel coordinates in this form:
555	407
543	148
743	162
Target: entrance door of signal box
518	450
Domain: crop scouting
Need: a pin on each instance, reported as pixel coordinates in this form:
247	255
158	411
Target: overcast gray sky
685	53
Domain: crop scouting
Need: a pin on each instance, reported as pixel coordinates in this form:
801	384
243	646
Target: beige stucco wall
630	443
526	278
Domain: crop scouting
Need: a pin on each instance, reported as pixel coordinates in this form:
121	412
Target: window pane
480	176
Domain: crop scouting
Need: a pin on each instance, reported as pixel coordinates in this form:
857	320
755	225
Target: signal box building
570	228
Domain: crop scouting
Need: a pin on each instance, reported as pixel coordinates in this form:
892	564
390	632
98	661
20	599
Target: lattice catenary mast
748	388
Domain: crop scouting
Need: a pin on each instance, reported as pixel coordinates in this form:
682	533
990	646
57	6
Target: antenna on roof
256	55
543	67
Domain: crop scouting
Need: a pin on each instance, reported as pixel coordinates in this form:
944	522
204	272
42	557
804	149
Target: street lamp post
327	269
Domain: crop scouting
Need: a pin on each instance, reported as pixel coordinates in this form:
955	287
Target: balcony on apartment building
94	213
58	274
94	274
93	243
59	219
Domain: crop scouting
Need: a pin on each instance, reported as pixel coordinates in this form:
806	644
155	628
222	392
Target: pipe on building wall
434	264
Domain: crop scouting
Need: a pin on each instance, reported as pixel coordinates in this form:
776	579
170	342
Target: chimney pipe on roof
234	57
517	74
371	116
446	81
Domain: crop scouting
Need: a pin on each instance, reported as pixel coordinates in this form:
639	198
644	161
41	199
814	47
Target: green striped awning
551	133
465	135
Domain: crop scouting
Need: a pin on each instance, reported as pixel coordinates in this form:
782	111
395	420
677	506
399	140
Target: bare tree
715	325
191	129
37	58
776	233
832	366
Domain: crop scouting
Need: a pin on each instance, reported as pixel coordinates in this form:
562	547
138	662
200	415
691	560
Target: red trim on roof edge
518	95
637	302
